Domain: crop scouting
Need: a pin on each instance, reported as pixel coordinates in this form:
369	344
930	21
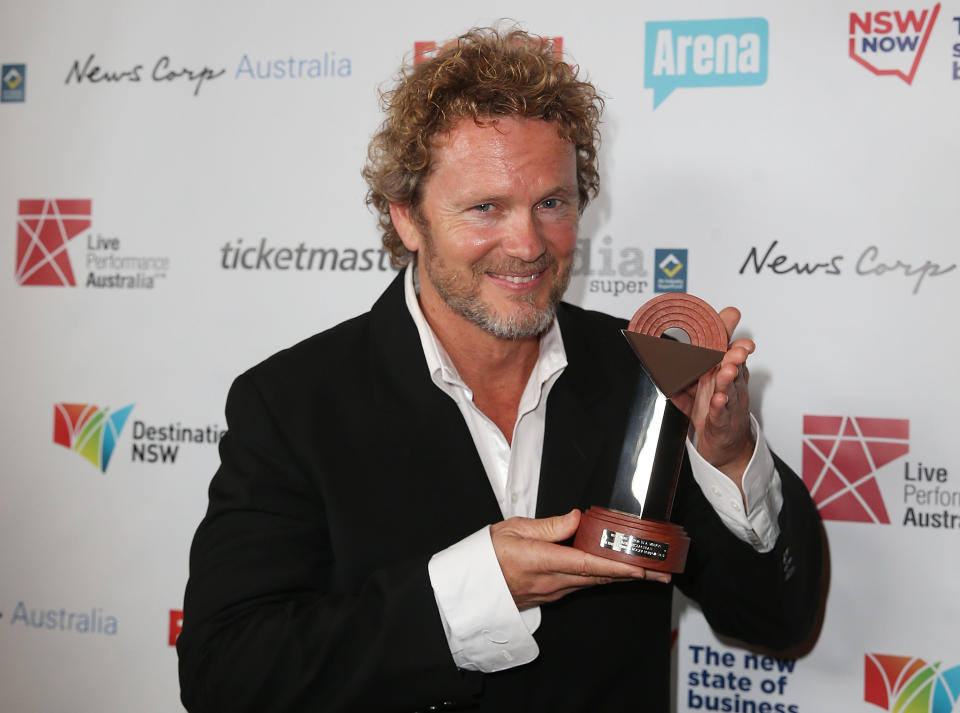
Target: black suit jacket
345	469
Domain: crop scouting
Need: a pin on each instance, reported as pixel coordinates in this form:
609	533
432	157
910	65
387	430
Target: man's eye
484	207
550	203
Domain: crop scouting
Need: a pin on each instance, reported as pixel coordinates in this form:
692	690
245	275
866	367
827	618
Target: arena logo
428	49
162	70
87	621
175	626
611	269
88	430
704	53
45	228
13	83
905	684
841	456
891	42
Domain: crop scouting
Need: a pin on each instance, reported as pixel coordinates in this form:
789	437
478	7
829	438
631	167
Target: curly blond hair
483	74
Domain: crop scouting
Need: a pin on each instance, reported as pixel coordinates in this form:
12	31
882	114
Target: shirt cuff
485	630
759	525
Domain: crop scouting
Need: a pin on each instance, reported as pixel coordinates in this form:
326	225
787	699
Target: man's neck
495	369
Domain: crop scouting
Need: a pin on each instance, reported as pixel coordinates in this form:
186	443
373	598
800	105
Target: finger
546	529
731	318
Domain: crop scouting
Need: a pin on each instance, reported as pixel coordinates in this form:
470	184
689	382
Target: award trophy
636	528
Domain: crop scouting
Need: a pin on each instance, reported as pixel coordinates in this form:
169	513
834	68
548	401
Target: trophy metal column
636	528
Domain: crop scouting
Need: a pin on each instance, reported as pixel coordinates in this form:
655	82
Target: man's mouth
517	279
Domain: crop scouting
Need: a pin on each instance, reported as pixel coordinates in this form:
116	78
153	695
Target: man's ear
407	228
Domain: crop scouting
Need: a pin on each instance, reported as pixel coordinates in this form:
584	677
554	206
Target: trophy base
652	544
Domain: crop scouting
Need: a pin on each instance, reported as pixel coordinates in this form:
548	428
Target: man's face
500	207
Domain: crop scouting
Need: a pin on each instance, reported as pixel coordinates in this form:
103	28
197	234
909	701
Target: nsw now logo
704	53
891	42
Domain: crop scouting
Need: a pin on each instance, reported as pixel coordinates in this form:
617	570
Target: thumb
553	529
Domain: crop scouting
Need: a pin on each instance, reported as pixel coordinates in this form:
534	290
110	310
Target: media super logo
903	684
13	82
841	456
891	42
44	227
671	273
704	53
89	430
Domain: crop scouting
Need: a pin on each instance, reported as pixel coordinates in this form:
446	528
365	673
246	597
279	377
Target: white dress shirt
485	630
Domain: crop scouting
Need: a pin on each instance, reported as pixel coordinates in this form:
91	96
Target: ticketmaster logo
840	458
89	430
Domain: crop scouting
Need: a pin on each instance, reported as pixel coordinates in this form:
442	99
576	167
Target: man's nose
524	239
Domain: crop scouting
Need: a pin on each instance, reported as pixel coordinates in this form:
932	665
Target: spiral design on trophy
682	311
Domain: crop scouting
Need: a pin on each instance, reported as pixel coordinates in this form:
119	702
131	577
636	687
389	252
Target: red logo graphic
891	42
176	626
841	456
44	227
427	50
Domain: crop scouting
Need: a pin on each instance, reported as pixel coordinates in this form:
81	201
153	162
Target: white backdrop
816	190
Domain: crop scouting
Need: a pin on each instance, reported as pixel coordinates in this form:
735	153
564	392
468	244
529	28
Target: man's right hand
537	570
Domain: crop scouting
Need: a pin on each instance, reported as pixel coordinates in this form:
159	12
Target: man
388	529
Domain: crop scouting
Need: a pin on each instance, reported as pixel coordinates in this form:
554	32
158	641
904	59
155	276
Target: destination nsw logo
44	227
89	430
93	433
904	684
704	53
841	456
891	42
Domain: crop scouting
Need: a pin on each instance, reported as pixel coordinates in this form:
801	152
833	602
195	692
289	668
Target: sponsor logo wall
182	199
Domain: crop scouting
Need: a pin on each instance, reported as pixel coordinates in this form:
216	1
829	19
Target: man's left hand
718	406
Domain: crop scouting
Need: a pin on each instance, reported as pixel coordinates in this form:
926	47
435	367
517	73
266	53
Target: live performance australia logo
891	42
844	456
614	269
13	83
45	229
907	684
94	433
680	54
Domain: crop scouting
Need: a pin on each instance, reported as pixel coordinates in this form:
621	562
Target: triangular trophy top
672	365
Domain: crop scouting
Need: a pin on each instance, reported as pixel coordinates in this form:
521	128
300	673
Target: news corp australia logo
891	42
45	229
684	54
904	684
842	458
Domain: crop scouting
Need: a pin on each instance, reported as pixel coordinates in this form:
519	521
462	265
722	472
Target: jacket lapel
577	423
428	431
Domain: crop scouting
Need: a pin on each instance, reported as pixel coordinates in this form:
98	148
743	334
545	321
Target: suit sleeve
271	622
770	599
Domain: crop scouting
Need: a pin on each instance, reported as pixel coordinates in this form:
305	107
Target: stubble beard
463	295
